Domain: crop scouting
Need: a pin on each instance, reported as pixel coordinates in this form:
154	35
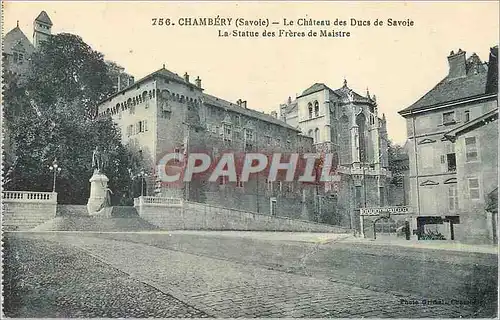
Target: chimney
289	100
274	114
131	80
198	82
186	77
244	104
457	65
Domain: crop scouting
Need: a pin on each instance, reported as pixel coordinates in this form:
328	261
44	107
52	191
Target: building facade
449	177
164	113
348	125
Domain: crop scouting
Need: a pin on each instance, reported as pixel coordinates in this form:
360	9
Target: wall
23	210
198	216
475	222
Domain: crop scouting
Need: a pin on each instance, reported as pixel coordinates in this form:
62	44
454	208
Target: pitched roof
221	103
44	18
473	124
15	37
342	93
455	89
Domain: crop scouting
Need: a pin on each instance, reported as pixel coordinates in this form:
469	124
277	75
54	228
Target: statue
99	191
98	160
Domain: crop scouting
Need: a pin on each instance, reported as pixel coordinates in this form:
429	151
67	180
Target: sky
397	64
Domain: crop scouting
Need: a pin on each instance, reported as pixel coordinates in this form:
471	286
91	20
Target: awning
492	201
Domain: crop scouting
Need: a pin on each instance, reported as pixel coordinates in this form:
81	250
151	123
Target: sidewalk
430	244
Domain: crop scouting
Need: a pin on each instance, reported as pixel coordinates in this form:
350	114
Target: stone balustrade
29	196
24	210
158	201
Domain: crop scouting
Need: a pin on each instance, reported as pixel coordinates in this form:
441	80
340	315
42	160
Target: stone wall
200	216
23	210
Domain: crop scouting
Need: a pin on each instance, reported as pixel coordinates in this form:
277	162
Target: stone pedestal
98	189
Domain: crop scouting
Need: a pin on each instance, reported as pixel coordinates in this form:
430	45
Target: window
452	162
452	197
239	120
470	149
278	141
269	185
316	109
248	139
449	117
381	191
310	108
316	135
466	116
474	189
141	126
129	130
227	132
223	180
268	139
239	183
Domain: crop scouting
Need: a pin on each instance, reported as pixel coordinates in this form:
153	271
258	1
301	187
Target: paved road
241	277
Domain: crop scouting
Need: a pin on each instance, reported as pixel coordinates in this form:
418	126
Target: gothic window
316	109
344	138
360	121
310	108
316	135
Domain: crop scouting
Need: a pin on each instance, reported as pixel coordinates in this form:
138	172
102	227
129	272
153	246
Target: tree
398	161
54	115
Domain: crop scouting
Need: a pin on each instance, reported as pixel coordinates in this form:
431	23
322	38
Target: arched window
316	136
361	123
310	133
316	109
144	95
310	108
344	138
129	102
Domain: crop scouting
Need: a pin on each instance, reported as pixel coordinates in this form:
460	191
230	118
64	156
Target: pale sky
397	64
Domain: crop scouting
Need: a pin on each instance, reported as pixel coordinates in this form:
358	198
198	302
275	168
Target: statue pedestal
98	189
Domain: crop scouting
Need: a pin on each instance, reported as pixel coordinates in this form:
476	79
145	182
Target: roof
164	73
342	93
492	201
473	84
44	18
13	38
473	124
212	100
209	99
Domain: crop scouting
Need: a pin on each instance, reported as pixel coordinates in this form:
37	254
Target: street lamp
56	169
142	175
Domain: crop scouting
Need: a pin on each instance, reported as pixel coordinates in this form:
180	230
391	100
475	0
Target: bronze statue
98	160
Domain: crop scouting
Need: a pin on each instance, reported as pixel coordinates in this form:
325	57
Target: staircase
110	219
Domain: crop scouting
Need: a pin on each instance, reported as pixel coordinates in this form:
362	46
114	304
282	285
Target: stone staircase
110	219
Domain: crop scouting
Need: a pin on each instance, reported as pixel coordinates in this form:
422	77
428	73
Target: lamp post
143	175
56	169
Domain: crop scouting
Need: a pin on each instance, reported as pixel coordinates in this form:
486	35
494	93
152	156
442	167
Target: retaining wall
199	216
23	210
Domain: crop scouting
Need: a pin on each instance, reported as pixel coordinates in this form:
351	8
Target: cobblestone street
168	279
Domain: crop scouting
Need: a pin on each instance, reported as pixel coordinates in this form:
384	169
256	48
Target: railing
158	201
29	196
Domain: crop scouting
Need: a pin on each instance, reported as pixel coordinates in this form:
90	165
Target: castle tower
41	29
